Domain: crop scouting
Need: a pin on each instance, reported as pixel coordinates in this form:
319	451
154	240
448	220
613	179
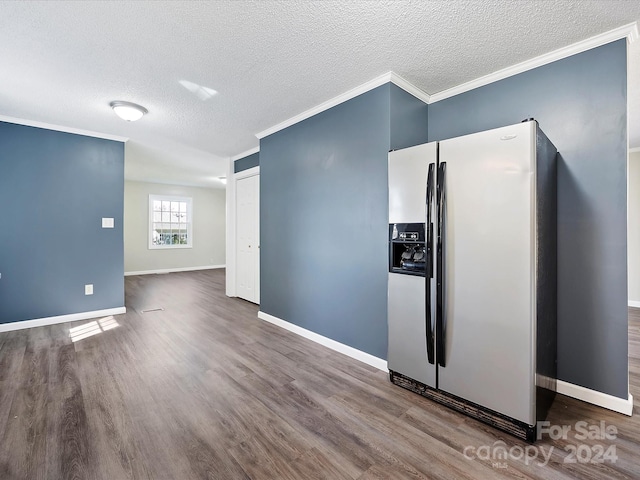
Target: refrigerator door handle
429	265
441	322
429	225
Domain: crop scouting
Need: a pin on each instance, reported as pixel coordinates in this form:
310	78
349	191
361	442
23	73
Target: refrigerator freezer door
408	182
407	329
489	278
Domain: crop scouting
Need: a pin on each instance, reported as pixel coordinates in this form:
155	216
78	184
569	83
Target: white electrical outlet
88	289
107	222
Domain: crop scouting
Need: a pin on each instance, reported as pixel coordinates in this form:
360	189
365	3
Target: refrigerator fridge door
407	329
489	270
408	182
410	312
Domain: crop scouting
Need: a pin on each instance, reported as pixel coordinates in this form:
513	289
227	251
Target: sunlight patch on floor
92	328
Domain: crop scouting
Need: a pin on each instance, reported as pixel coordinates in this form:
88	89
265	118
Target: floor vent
157	309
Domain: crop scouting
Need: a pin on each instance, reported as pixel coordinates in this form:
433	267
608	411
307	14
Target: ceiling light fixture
128	111
223	180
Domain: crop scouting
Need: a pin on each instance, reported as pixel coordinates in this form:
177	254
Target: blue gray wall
323	216
580	103
408	119
247	162
55	188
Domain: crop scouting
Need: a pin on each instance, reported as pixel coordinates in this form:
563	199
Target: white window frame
189	222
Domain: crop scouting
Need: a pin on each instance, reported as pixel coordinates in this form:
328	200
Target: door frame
232	213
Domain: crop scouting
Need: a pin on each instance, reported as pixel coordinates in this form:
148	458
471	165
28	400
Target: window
170	222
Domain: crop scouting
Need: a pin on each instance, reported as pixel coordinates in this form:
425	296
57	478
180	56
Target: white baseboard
72	317
634	303
594	397
327	342
172	270
605	400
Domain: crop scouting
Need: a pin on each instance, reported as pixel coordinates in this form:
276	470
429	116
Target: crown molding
410	88
354	92
389	77
633	34
629	31
245	154
61	128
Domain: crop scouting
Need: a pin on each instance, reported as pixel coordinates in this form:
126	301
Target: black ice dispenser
408	252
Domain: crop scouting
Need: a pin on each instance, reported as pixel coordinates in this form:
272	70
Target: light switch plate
88	289
107	222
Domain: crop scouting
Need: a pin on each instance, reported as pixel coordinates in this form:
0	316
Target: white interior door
248	238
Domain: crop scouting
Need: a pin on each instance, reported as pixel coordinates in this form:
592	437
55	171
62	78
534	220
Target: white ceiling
63	62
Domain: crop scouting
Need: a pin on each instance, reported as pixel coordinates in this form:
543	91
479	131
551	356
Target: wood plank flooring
205	390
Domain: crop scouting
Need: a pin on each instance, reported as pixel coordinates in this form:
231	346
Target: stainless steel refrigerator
472	274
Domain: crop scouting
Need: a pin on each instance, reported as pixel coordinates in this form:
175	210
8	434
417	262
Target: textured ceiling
63	62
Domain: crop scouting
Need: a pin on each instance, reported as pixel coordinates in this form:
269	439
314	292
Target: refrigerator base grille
507	424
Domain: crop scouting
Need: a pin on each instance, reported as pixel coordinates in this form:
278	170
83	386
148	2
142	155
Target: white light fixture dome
128	111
